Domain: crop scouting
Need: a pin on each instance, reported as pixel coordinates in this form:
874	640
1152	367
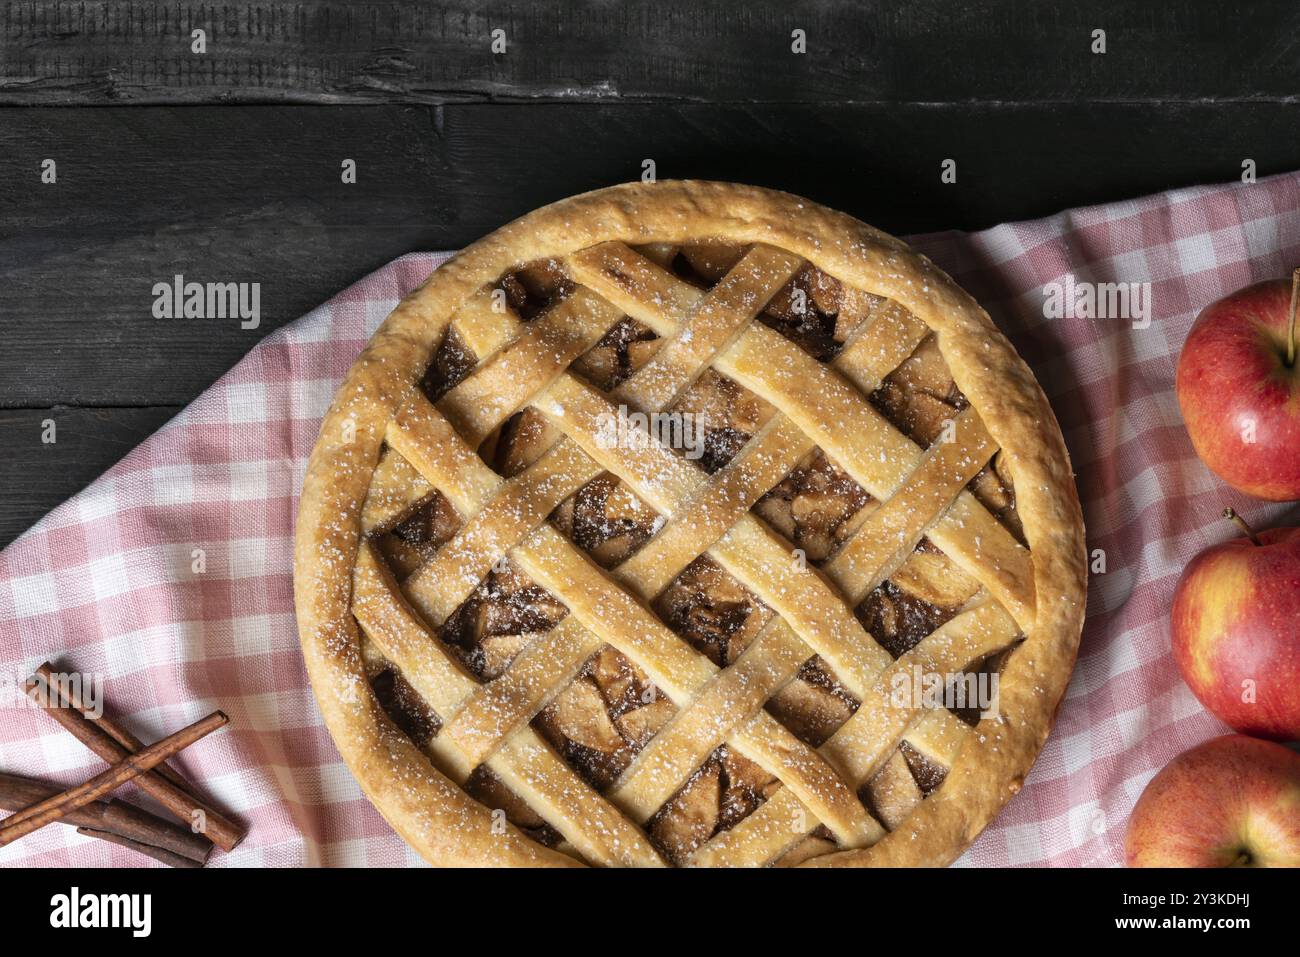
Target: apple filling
601	719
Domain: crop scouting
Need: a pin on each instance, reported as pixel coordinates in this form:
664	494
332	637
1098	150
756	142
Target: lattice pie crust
534	645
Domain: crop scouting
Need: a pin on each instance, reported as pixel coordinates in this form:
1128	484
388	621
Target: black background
957	908
225	166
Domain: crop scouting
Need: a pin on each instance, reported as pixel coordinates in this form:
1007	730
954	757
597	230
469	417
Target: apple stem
1231	515
1290	328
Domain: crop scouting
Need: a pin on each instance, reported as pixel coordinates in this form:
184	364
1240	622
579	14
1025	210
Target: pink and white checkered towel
106	585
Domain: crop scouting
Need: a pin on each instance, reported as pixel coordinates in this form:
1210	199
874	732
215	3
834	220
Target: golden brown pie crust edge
433	814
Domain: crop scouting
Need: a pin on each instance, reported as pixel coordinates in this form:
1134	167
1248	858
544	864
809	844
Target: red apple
1238	385
1236	631
1230	801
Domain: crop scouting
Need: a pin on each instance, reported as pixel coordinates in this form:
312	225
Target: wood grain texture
252	194
115	51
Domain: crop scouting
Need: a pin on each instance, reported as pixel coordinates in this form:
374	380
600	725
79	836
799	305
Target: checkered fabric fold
107	584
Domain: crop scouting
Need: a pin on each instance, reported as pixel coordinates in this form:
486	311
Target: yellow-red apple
1238	385
1232	801
1236	631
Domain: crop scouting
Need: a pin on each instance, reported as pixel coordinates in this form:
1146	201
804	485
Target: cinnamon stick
142	827
121	735
113	816
51	809
221	830
148	850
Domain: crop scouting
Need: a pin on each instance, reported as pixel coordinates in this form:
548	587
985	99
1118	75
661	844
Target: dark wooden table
225	165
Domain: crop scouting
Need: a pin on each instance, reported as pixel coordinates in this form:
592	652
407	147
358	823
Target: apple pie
637	531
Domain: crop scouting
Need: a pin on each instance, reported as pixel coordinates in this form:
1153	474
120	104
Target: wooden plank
118	51
147	193
36	476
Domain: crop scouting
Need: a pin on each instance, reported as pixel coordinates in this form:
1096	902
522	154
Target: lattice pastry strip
754	555
543	349
520	505
398	438
880	545
524	709
618	619
489	333
941	479
562	467
718	317
395	489
627	625
525	762
861	746
573	392
865	360
828	410
781	643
